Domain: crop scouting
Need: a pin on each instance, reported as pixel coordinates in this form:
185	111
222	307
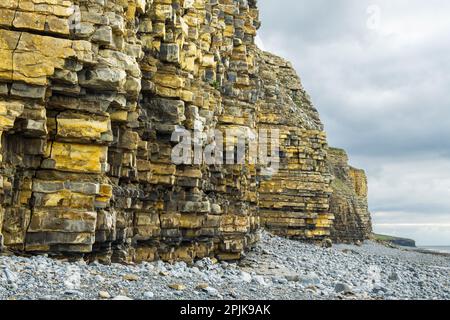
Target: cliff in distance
91	92
348	201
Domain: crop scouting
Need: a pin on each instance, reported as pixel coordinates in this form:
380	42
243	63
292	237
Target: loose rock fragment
177	286
104	295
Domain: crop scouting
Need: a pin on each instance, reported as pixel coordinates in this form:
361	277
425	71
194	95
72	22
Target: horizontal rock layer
90	94
348	201
293	202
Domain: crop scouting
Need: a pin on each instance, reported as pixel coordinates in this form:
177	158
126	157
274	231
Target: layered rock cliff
348	201
293	202
91	93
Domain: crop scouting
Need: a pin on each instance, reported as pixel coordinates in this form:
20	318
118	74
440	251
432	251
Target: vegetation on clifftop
395	240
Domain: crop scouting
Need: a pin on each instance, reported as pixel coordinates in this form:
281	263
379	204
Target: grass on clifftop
386	238
382	237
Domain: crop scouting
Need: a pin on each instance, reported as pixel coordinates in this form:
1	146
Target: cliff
403	242
91	95
348	201
293	202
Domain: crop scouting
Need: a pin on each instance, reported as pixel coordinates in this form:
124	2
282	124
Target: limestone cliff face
294	202
90	94
348	201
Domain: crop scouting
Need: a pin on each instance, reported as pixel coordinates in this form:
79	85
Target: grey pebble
276	269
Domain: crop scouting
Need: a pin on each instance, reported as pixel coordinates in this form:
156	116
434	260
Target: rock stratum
348	201
90	94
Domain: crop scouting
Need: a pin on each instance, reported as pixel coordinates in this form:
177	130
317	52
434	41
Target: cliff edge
91	95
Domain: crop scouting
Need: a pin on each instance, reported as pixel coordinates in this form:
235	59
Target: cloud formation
379	73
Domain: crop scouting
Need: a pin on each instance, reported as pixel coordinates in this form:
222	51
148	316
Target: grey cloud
382	94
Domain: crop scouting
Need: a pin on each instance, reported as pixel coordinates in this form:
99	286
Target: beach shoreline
275	269
433	250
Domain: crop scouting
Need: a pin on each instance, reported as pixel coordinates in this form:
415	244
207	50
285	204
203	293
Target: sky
378	71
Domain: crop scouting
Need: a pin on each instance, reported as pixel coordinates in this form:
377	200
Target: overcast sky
379	73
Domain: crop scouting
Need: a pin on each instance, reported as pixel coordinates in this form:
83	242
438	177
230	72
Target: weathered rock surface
348	202
293	202
90	94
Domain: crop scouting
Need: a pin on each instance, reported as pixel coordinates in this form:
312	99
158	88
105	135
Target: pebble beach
276	269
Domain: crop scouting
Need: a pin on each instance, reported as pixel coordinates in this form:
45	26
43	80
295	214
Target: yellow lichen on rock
73	157
91	93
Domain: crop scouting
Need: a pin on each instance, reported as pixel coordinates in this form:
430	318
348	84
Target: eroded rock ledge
90	93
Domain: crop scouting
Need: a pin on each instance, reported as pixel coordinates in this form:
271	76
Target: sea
439	249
